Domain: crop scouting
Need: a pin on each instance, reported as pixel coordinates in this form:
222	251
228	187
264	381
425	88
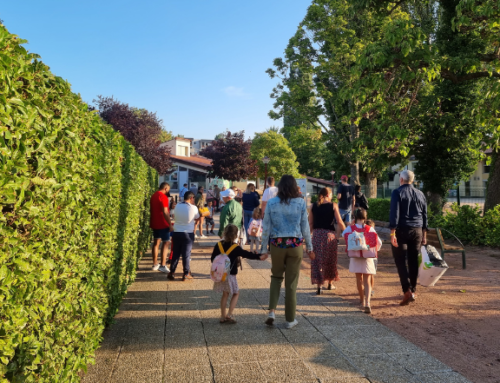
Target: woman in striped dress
323	218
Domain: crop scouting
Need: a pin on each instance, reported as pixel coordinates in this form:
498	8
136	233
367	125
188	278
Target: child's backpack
361	243
221	266
255	228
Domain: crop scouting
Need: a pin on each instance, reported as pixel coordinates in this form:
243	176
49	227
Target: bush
379	209
73	199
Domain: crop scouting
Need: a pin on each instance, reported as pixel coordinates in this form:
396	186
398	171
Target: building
198	145
179	146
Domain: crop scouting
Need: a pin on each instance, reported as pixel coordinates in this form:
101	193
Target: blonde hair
250	185
230	233
257	213
323	193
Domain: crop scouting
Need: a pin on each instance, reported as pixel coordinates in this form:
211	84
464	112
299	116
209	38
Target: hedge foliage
379	209
73	222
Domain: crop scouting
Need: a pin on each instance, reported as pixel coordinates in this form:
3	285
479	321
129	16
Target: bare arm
353	202
166	214
338	218
311	219
264	203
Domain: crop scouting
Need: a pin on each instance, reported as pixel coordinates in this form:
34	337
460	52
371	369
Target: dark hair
164	185
200	187
287	189
185	184
188	195
323	193
230	233
360	214
357	188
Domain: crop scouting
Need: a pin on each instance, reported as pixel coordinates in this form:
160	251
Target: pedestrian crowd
280	226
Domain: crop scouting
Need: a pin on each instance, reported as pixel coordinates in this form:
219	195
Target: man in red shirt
161	225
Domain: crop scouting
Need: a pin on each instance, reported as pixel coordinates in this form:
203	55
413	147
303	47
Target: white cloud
233	91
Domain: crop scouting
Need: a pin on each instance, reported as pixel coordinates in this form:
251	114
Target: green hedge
74	220
379	209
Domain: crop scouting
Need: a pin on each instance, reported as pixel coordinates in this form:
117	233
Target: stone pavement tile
293	371
186	357
140	360
396	344
300	335
376	330
101	370
419	362
357	346
231	354
266	335
316	350
332	368
344	380
354	319
404	377
241	372
135	345
378	366
448	377
339	332
137	376
270	352
226	338
193	374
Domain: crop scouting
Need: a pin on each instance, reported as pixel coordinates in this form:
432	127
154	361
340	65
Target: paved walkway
169	332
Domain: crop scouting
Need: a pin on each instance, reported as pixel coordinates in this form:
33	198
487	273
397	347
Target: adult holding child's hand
286	228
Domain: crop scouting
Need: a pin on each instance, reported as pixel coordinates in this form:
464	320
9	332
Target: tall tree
230	155
143	129
282	158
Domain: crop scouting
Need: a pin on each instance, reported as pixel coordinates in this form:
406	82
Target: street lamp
333	182
266	160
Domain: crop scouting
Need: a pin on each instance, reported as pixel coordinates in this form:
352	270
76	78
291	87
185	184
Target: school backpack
255	228
221	266
361	243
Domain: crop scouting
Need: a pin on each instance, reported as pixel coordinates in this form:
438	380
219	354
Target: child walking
210	219
230	285
255	230
363	267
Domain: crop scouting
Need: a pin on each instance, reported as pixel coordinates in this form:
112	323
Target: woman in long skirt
323	219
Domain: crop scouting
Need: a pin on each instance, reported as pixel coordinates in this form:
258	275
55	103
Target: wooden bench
435	238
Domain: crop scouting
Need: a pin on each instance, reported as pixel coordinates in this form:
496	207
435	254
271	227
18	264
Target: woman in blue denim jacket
286	228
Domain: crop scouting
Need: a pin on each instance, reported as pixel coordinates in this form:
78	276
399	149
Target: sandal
222	320
230	320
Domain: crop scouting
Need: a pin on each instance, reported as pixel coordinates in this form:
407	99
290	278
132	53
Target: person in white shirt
186	216
270	192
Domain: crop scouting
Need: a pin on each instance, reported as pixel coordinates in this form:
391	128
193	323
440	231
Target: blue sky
200	64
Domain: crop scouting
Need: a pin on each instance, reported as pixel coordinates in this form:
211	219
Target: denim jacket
285	220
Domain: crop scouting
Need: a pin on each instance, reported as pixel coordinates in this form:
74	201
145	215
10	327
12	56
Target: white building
199	145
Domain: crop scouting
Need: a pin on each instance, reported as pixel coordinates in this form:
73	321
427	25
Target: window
486	169
186	151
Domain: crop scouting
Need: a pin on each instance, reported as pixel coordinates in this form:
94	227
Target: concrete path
169	332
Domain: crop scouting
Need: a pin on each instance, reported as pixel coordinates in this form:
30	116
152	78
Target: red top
157	203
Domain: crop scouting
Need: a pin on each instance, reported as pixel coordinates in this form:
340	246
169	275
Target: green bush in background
379	209
73	223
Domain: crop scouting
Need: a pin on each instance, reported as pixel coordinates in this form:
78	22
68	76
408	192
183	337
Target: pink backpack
361	243
221	266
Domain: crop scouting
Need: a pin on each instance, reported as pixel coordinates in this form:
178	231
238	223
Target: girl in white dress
364	268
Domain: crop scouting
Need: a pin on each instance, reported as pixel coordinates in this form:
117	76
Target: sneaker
187	277
164	269
291	324
270	319
170	276
413	297
368	310
196	236
155	267
203	236
406	299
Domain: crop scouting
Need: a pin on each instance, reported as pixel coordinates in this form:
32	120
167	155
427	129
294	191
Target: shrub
73	221
379	209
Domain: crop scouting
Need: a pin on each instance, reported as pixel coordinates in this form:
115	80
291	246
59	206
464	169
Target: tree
165	136
282	158
143	129
230	155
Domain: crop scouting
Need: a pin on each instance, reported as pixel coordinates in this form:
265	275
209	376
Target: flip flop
230	320
222	320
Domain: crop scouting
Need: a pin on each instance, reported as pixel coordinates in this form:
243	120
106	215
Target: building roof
181	139
320	181
195	160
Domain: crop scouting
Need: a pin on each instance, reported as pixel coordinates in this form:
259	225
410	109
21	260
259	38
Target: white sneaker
164	269
196	236
203	236
270	319
291	324
156	267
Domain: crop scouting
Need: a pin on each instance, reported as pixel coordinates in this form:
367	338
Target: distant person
270	192
209	221
360	198
323	219
216	198
194	189
345	196
408	224
183	191
254	230
230	285
232	213
210	194
221	200
159	221
250	202
286	227
199	201
186	215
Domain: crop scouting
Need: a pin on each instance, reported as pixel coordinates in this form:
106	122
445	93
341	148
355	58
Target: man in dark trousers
345	195
408	223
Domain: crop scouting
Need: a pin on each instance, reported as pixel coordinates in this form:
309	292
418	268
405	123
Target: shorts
163	234
209	221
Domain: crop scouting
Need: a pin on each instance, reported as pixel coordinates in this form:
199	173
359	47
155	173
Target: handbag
204	212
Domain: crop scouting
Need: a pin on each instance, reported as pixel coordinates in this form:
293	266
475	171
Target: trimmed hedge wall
73	223
379	209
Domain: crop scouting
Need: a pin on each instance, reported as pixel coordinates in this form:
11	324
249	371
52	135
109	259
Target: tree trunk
354	164
493	190
435	202
371	186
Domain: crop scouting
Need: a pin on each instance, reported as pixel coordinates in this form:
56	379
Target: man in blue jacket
408	223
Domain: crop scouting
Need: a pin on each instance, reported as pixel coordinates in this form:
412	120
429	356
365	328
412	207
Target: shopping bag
431	266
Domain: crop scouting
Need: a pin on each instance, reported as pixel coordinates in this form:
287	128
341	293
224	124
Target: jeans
285	261
345	215
409	241
247	216
182	243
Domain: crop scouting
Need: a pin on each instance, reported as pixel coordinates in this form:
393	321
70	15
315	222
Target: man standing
408	223
194	189
182	192
159	221
270	192
232	213
345	195
216	197
186	216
